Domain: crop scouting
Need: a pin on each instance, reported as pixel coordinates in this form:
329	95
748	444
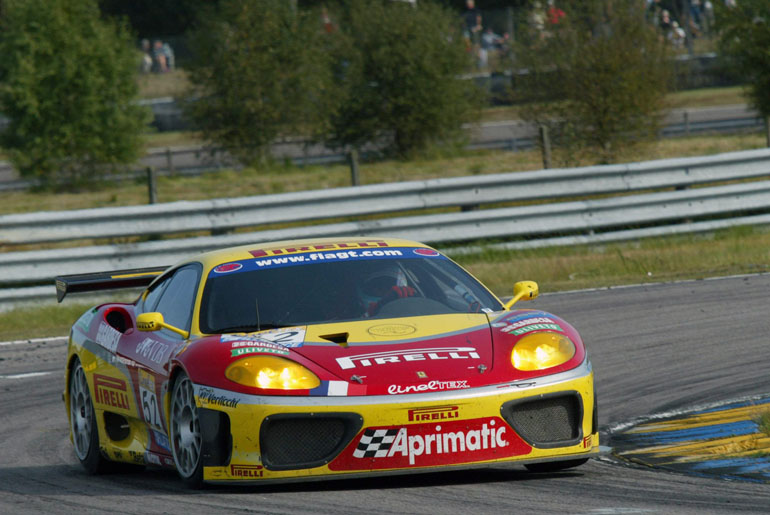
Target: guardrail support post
546	145
353	160
686	115
169	161
151	186
767	130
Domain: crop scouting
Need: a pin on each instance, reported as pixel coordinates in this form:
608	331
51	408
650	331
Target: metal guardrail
220	215
581	220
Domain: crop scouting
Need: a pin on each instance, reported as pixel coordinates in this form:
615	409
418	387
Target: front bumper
265	439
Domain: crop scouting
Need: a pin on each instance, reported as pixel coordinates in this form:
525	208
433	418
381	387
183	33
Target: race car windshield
247	297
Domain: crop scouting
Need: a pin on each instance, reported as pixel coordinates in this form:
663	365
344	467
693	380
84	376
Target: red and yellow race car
320	359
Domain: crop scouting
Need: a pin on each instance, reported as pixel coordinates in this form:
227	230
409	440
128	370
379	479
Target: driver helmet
377	284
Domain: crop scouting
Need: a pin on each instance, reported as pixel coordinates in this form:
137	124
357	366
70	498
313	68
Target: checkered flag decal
375	443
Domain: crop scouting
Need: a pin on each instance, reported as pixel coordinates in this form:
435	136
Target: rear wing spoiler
98	281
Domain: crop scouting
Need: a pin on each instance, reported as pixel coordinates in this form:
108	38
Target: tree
259	71
67	83
597	79
744	37
400	73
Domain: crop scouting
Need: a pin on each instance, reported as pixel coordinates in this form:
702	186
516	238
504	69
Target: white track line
24	376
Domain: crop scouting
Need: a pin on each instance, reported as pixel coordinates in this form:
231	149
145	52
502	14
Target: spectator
677	35
159	59
490	43
554	14
169	53
326	20
537	18
146	66
471	19
665	22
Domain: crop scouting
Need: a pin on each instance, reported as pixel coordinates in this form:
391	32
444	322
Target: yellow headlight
542	350
271	372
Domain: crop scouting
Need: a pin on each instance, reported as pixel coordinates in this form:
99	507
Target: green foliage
597	79
399	68
260	71
67	82
744	36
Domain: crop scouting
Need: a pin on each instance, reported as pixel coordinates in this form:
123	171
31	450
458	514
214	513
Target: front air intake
548	421
305	440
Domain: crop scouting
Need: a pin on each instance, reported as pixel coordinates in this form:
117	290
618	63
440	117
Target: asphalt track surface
655	348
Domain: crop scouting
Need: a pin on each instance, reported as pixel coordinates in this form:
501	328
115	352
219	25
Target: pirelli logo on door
111	391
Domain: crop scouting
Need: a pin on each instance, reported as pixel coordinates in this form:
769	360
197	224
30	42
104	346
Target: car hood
387	356
402	351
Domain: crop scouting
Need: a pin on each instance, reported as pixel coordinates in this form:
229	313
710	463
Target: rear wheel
85	434
186	440
555	466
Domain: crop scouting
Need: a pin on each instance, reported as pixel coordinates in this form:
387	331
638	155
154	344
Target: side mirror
154	322
523	290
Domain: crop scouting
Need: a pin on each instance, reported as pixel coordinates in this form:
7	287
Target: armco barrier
636	213
220	215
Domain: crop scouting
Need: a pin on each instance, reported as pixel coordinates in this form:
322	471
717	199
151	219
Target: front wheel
555	466
186	440
85	434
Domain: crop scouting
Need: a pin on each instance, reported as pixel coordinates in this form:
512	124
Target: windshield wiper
249	328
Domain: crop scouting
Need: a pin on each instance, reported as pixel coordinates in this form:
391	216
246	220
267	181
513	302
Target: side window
151	300
177	299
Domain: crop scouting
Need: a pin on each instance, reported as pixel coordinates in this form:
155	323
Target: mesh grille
554	420
303	441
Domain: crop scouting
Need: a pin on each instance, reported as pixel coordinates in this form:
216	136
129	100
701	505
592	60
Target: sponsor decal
137	457
426	252
354	244
207	396
402	356
247	471
422	375
588	441
294	337
526	322
227	267
152	458
391	330
108	337
262	349
162	440
110	391
433	413
123	361
396	389
327	256
450	442
153	350
537	327
308	255
150	408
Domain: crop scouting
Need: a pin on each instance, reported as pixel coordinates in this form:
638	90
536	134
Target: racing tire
85	433
554	466
185	432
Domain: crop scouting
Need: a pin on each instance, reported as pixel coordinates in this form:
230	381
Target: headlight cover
539	351
271	372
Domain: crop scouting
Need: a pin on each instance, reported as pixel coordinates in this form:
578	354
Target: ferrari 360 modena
317	359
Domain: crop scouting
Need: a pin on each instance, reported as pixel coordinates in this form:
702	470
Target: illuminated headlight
542	350
271	372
